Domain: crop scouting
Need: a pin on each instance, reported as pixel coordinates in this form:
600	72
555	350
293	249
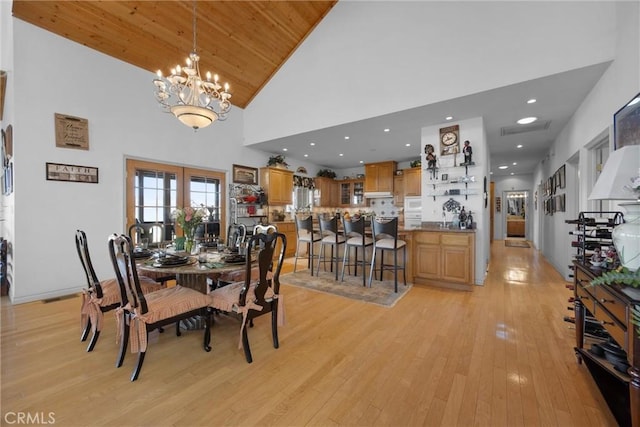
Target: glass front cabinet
351	193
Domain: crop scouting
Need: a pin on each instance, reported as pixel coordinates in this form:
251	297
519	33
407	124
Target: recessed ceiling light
285	149
511	173
341	154
407	145
312	144
346	137
449	118
387	130
515	163
361	161
527	120
503	167
519	146
491	173
306	155
531	101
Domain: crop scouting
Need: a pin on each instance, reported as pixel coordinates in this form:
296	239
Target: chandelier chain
194	24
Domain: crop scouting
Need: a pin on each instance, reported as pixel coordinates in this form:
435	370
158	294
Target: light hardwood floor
498	356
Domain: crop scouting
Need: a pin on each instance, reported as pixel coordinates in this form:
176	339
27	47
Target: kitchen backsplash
384	207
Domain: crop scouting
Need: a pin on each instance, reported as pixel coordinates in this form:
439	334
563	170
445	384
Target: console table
610	306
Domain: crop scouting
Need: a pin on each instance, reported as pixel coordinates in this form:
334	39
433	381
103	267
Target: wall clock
450	140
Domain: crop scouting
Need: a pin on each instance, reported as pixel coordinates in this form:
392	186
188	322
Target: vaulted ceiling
244	42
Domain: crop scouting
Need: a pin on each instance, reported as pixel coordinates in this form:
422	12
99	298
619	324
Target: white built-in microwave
413	204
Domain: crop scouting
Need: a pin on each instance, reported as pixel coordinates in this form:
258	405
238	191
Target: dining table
194	274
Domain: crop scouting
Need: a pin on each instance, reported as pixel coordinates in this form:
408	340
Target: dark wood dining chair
355	238
142	313
99	296
332	237
256	296
236	235
385	238
305	235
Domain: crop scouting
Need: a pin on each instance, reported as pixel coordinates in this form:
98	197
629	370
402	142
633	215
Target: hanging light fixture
195	102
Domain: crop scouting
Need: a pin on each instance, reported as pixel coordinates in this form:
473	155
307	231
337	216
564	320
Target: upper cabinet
351	192
413	182
278	184
326	192
398	191
379	176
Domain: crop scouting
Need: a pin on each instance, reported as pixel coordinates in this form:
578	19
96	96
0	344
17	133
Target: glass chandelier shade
195	102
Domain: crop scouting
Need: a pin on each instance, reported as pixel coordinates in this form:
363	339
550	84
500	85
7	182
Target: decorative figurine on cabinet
468	152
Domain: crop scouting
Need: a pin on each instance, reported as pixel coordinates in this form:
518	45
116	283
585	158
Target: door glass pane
155	196
205	191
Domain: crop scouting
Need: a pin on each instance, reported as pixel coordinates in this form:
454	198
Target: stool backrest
385	228
353	227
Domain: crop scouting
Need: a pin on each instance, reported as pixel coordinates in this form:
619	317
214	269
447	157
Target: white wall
368	58
593	119
472	130
59	76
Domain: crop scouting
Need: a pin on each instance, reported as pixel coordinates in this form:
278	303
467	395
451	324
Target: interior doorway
516	206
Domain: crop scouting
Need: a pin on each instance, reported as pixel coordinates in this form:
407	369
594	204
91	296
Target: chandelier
195	102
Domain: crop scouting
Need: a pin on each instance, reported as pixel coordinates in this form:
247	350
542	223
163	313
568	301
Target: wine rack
593	231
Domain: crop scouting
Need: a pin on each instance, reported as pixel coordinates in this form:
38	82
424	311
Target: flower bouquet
188	219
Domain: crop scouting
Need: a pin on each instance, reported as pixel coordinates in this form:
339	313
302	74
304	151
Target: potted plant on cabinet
622	276
277	161
326	173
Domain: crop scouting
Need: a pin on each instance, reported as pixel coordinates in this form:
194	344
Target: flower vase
189	242
626	237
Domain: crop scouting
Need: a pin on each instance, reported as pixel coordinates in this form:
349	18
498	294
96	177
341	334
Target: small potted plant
416	163
326	173
277	161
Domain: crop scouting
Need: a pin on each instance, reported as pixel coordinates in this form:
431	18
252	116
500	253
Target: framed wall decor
626	124
562	177
450	140
245	175
72	132
71	173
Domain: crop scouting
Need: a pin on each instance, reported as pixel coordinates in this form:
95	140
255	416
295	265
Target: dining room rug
517	243
380	293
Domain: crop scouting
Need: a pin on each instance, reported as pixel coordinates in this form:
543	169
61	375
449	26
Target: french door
155	190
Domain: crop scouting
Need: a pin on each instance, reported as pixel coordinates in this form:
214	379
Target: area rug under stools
380	293
516	244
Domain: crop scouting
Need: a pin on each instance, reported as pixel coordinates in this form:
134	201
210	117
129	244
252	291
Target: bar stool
330	237
305	234
385	238
354	235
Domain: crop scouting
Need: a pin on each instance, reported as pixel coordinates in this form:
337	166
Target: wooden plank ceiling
244	42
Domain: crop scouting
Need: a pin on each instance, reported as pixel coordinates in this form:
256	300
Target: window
155	190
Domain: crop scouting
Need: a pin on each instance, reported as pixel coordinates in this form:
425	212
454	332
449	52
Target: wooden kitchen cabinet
444	258
326	192
351	193
379	176
413	181
288	228
398	191
278	185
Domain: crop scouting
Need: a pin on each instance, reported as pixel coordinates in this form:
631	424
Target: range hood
377	194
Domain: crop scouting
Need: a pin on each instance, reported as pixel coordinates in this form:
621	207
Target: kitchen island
442	257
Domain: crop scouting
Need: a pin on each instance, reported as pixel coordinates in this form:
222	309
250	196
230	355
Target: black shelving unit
593	230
